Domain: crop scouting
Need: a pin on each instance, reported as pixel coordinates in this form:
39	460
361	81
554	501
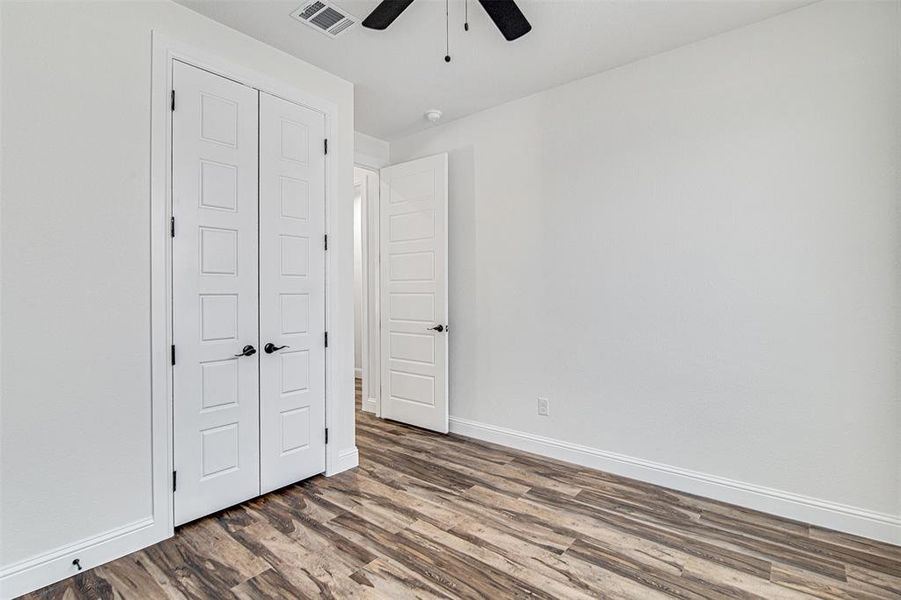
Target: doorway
366	305
401	291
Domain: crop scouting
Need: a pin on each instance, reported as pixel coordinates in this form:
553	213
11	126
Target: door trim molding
370	285
823	513
165	50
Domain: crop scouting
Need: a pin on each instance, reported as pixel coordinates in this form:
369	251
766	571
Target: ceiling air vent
325	17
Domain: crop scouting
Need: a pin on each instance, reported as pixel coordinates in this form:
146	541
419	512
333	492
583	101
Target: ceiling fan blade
508	18
385	13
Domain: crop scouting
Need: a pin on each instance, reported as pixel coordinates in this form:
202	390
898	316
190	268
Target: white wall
370	151
696	258
76	259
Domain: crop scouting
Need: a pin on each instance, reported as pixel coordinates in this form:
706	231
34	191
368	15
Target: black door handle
269	348
438	328
247	351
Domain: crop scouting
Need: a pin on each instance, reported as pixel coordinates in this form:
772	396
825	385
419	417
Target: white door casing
413	290
214	304
292	292
368	180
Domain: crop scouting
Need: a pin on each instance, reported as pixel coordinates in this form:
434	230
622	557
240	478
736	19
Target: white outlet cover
544	406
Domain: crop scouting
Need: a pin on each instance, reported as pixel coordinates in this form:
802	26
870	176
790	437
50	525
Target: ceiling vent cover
325	17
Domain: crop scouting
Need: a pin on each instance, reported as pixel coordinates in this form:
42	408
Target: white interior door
413	289
214	271
292	292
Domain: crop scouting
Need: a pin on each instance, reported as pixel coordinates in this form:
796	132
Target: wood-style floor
431	516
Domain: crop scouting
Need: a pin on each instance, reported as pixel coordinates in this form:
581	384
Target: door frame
369	328
165	50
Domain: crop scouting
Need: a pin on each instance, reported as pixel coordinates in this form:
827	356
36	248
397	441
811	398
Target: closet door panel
214	272
292	292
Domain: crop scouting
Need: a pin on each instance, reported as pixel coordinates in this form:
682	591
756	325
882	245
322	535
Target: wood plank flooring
431	516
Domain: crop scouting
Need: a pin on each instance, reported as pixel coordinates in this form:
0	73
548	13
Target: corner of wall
370	151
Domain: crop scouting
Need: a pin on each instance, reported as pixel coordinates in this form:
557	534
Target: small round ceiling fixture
433	115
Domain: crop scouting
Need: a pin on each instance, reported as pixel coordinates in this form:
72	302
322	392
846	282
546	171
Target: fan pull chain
466	15
446	30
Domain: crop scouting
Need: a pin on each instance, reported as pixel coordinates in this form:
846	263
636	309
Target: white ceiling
400	73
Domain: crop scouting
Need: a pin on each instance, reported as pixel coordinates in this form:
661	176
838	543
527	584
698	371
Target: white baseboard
369	405
358	373
50	567
347	459
823	513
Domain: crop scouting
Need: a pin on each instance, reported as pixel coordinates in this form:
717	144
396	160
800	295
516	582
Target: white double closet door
248	268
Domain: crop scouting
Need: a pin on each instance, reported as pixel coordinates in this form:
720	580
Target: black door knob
269	348
438	328
247	351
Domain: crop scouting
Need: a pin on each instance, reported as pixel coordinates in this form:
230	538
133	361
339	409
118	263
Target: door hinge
174	480
173	354
172	105
325	145
326	339
172	226
326	435
325	238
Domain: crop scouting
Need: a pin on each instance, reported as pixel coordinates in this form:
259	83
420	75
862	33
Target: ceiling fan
505	14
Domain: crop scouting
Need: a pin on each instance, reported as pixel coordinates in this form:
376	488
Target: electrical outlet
544	406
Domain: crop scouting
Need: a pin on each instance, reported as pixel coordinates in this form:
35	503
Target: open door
413	292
